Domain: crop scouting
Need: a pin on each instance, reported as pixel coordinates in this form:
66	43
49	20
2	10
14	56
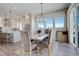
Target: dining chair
3	38
26	43
0	38
47	43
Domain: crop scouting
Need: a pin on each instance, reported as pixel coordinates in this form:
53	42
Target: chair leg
30	52
38	50
49	50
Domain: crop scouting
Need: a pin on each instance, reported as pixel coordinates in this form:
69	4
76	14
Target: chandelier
41	15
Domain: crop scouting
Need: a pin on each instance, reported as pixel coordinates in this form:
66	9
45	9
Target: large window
40	23
59	22
49	22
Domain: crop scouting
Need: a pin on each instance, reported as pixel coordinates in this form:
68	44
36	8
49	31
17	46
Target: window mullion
53	22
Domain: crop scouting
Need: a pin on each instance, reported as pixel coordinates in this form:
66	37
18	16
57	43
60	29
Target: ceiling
34	8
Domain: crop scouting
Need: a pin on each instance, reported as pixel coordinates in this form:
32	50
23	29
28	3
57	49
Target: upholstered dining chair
46	44
26	43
